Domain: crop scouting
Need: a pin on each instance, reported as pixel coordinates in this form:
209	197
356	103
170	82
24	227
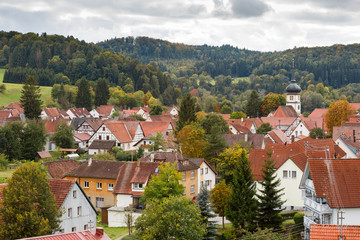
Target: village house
78	113
332	192
50	114
85	125
57	169
103	112
97	178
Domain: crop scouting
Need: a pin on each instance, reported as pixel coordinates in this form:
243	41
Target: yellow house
97	178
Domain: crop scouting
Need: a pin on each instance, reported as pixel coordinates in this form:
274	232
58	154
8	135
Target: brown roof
199	161
44	154
256	140
240	127
129	173
183	163
82	136
60	188
333	232
57	169
94	123
337	180
161	118
119	130
97	169
278	136
276	121
79	112
154	127
102	144
285	111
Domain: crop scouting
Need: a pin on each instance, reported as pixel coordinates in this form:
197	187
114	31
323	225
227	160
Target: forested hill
335	66
58	59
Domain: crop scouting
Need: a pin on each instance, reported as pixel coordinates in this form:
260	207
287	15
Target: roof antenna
293	70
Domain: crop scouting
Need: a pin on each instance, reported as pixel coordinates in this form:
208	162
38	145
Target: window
201	184
201	171
85	227
103	128
206	170
192	189
291	97
293	174
107	138
74	194
184	176
207	183
69	212
118	144
98	185
192	174
285	174
144	142
156	170
79	210
99	137
73	229
137	186
110	186
61	231
99	202
86	184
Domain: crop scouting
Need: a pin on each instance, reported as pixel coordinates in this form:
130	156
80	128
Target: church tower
293	94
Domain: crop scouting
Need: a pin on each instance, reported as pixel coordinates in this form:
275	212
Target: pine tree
102	94
215	143
33	139
83	97
31	98
242	205
253	107
270	198
206	213
28	207
187	112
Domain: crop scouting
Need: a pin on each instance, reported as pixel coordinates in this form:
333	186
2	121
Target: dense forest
55	59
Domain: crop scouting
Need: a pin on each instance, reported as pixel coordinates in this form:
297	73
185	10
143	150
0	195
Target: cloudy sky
265	25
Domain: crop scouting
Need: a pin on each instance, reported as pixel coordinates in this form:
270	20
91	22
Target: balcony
309	184
318	207
308	221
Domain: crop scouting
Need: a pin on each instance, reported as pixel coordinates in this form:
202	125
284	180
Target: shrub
298	218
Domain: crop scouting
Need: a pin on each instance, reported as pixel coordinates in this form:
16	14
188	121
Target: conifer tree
186	112
28	208
215	143
31	98
242	205
83	97
206	213
102	94
253	107
270	198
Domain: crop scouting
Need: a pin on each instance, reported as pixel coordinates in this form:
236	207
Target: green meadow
13	92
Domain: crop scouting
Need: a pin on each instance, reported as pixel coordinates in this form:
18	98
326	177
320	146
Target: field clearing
243	79
13	92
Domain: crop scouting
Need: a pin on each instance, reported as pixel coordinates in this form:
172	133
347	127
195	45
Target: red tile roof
285	111
119	130
60	188
17	106
333	232
52	112
44	154
83	235
318	113
337	180
82	136
4	114
154	127
105	109
57	169
276	121
129	173
240	127
355	106
79	112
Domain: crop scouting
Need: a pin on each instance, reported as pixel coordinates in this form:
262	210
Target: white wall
116	217
351	215
343	146
123	200
87	212
210	176
292	194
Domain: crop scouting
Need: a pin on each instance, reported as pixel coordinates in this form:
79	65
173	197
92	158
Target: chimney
99	231
292	138
90	161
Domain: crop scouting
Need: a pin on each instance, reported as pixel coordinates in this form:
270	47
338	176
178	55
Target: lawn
13	92
112	232
6	173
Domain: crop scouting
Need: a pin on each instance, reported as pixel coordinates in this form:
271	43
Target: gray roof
293	87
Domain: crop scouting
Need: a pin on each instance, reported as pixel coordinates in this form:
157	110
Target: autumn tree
175	217
164	185
63	136
30	98
219	196
242	205
271	102
28	208
186	112
253	106
270	196
338	113
102	94
191	141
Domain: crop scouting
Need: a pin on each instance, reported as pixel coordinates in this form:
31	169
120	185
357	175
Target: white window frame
79	210
285	174
86	184
69	212
183	176
138	186
110	186
192	189
192	174
293	174
99	185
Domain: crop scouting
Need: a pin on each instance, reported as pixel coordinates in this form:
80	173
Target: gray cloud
249	8
336	18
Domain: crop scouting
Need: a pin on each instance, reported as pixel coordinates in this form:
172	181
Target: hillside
13	92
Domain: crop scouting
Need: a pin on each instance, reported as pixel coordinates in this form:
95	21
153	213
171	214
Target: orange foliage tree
338	113
271	102
191	140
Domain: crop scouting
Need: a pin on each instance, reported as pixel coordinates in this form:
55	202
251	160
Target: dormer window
137	186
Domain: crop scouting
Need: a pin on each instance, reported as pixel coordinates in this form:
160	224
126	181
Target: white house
332	191
104	112
206	174
78	113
